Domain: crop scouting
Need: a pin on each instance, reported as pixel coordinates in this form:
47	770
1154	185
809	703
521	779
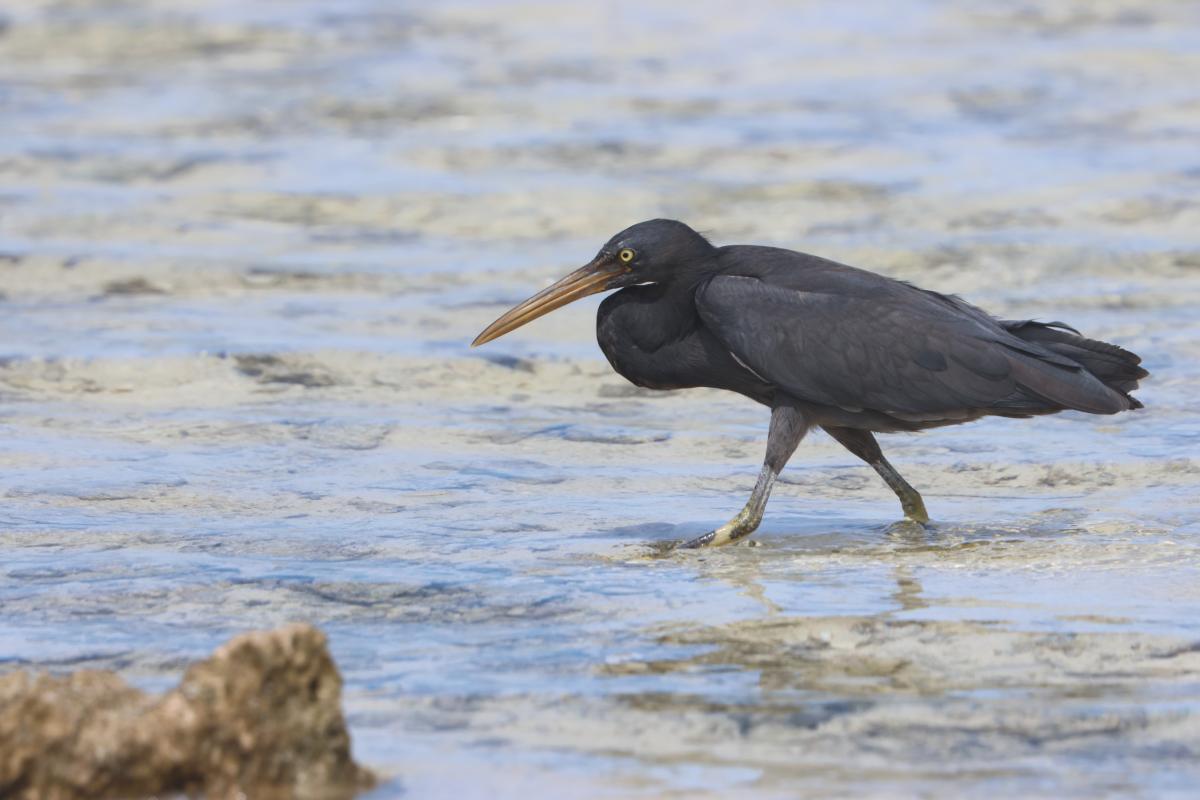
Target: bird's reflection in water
745	577
748	579
908	594
789	651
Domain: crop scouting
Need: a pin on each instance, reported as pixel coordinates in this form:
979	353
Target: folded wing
872	343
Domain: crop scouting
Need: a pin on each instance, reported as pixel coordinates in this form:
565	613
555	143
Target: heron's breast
642	347
655	356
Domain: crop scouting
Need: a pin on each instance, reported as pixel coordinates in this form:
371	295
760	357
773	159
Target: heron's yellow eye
626	255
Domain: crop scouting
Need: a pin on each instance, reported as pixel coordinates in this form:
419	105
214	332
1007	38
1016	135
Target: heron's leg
862	444
788	427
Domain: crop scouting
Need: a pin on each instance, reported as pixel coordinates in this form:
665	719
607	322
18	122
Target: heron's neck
654	314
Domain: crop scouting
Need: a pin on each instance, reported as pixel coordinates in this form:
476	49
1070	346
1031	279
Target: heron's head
655	251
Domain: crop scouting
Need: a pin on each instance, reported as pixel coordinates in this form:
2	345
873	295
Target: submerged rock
261	718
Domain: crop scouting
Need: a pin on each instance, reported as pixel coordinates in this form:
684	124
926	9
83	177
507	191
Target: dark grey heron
822	343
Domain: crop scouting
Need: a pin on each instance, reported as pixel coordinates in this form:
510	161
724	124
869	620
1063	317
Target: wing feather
889	347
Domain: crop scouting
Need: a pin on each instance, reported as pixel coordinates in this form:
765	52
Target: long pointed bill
584	281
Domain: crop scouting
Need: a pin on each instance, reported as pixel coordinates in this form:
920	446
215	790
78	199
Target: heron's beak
586	280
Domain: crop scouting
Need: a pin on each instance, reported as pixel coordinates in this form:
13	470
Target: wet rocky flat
243	248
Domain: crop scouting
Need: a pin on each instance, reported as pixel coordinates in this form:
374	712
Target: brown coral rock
261	718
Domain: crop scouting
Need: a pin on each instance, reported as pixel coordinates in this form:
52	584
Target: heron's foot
914	507
908	530
910	498
661	549
741	526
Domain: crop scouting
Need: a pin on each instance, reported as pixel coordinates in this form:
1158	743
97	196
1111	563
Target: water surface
242	251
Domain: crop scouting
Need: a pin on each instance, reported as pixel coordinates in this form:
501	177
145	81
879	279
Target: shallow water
242	250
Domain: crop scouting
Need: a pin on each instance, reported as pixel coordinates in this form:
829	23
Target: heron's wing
889	347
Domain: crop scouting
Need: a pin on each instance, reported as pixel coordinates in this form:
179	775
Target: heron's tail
1115	367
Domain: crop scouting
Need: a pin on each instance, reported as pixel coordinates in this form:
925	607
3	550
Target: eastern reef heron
825	344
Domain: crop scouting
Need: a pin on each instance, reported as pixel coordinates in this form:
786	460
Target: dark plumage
825	344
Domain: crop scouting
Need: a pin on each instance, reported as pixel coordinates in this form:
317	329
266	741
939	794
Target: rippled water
242	250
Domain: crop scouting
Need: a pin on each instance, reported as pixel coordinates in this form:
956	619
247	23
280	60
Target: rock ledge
261	718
